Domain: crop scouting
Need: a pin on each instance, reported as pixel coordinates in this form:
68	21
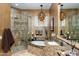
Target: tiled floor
23	53
17	48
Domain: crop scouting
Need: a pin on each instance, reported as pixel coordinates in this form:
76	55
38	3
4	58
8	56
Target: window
63	23
37	22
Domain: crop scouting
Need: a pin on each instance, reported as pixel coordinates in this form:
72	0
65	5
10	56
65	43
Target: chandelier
62	14
41	14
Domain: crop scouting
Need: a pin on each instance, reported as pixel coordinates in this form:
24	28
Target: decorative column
59	20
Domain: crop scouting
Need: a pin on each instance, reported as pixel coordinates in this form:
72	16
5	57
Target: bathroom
41	37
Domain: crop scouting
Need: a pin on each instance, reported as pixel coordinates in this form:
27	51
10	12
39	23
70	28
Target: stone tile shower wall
19	25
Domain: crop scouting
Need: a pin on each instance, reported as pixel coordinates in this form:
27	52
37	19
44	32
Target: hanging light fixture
41	14
62	14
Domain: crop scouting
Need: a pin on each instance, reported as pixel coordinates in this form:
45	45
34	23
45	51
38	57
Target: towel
7	40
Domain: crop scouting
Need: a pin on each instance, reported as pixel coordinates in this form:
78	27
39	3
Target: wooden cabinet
4	16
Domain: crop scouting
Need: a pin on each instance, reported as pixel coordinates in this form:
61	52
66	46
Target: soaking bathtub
38	43
42	43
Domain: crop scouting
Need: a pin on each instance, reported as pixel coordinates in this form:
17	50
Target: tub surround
51	48
42	51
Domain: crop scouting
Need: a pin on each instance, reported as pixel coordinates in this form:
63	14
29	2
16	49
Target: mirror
70	23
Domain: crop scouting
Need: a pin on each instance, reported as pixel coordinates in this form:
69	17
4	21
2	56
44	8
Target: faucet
67	36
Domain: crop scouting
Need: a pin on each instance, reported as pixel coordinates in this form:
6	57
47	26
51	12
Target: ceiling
45	5
31	5
70	5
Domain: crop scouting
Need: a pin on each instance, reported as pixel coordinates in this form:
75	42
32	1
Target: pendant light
41	14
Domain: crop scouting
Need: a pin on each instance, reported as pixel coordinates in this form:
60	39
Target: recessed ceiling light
16	4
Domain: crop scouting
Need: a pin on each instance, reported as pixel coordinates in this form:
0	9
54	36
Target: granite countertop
68	42
43	51
47	50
